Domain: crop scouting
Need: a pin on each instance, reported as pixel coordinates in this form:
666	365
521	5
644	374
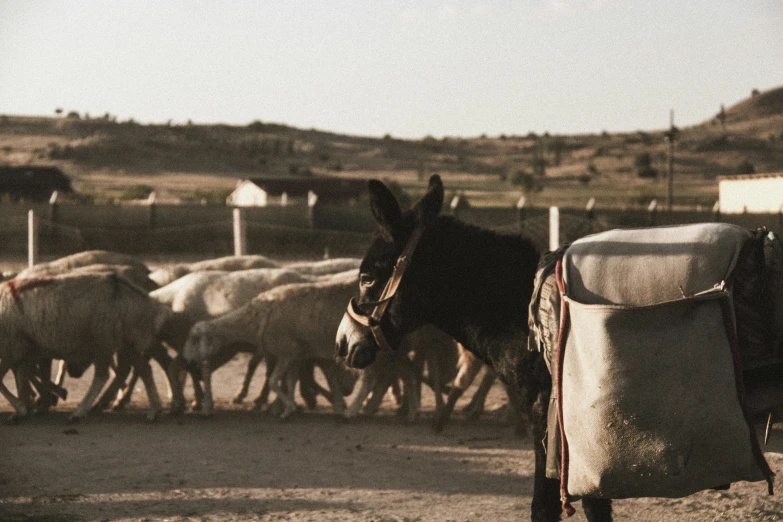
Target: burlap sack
639	267
649	396
650	405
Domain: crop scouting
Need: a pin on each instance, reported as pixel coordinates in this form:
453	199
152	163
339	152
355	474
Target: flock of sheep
108	310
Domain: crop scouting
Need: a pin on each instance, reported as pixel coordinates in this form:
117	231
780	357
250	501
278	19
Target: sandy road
242	465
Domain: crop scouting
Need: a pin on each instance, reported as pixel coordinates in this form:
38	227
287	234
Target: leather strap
373	320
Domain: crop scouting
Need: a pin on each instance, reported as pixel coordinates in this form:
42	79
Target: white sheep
468	368
84	319
291	323
427	345
164	276
204	295
325	267
89	257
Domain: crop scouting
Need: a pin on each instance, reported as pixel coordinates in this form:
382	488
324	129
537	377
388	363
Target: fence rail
48	231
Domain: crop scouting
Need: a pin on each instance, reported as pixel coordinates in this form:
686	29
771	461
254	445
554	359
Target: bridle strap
373	321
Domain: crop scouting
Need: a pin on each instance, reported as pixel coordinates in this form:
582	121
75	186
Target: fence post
312	200
554	228
652	210
53	207
590	209
152	206
240	233
454	205
716	210
32	238
521	211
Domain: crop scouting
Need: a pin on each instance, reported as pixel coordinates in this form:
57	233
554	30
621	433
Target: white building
247	194
755	193
260	192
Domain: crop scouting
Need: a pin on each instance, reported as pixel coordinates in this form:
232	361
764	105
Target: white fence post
312	200
520	207
32	238
240	233
554	228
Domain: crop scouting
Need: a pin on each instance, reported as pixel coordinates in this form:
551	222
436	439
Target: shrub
644	168
746	167
137	192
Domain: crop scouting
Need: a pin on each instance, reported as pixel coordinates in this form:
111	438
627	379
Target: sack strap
728	322
561	344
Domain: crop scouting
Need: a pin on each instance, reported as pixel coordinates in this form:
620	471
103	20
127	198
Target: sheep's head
201	343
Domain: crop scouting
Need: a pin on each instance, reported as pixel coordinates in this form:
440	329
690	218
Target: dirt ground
242	465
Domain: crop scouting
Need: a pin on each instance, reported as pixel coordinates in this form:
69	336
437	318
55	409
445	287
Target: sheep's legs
434	374
275	384
251	370
410	387
99	379
475	407
368	380
207	406
19	405
386	378
144	371
338	402
48	393
442	417
308	388
117	384
177	376
24	391
263	395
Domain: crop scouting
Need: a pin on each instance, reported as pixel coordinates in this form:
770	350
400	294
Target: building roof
324	186
752	176
33	181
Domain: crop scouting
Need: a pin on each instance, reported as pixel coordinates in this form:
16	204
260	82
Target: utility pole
671	137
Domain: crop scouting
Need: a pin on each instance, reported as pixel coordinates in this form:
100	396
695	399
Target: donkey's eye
366	280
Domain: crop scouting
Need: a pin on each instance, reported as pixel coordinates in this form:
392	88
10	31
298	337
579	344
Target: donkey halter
373	319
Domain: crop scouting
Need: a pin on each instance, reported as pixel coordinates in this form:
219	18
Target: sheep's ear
385	208
428	207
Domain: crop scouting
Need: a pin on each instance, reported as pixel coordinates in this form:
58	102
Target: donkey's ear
384	207
428	207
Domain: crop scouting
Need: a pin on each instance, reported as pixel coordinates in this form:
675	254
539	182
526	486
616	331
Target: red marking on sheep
18	286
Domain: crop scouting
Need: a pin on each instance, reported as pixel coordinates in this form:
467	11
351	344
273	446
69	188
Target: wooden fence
47	231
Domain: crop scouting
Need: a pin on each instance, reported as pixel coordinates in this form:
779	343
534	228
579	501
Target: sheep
290	323
84	319
166	275
207	294
133	273
468	368
204	295
325	267
136	273
383	374
89	257
427	345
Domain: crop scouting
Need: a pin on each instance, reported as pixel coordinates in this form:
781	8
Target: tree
746	167
644	168
722	117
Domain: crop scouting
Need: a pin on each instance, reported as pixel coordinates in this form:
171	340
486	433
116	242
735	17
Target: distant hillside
106	157
759	105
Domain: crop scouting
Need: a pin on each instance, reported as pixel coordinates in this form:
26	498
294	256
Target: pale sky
408	68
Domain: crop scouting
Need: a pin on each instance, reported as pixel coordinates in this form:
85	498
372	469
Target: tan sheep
164	276
291	323
84	319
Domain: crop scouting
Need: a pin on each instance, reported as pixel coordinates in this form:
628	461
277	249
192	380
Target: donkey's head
386	308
